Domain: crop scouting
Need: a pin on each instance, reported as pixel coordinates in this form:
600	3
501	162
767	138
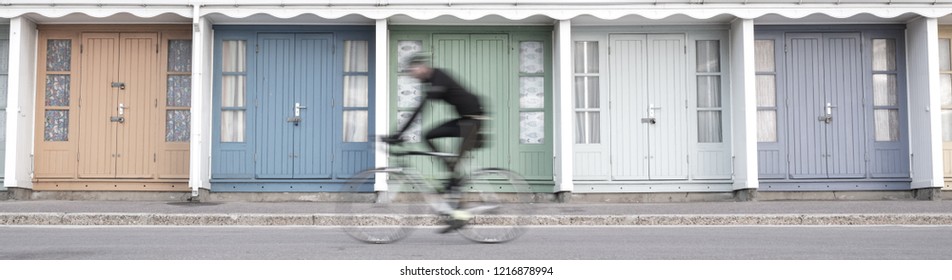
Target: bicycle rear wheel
382	216
501	203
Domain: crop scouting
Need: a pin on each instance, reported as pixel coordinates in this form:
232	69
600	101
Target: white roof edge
473	12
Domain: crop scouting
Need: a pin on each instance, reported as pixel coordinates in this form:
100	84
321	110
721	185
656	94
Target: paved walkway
55	212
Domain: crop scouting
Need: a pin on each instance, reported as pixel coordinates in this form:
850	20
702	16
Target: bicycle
499	201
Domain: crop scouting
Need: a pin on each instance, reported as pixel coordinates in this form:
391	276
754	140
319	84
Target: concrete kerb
150	219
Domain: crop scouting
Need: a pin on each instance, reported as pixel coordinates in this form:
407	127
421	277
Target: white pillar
20	92
200	143
744	104
925	131
564	158
382	97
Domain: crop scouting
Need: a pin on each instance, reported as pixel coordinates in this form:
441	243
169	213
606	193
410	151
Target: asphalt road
566	243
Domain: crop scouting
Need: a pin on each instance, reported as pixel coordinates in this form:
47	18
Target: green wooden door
493	66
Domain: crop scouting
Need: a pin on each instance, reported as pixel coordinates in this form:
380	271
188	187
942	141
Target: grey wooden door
628	95
846	134
668	136
825	93
648	114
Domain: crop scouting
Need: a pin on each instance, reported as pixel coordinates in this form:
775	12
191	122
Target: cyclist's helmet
419	58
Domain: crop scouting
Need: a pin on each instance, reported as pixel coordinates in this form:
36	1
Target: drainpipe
197	114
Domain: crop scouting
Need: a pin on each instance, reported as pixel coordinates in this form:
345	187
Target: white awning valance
473	10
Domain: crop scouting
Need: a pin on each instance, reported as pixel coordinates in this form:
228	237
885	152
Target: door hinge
685	49
80	48
784	48
257	48
609	50
157	47
155	157
156	103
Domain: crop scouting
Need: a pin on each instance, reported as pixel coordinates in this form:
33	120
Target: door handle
297	109
121	118
827	117
297	113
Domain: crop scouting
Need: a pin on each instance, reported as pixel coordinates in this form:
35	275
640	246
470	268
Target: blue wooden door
275	105
313	102
295	125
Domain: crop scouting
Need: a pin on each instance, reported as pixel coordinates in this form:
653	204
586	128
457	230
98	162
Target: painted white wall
925	131
201	138
382	97
22	85
564	157
744	107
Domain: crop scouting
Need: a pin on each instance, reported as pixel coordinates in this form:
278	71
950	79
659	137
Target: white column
20	93
744	104
925	131
564	158
382	97
200	143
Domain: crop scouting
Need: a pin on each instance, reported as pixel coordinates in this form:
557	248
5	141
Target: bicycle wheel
501	203
383	216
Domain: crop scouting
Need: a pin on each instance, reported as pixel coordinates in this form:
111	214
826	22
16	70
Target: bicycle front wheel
382	216
501	203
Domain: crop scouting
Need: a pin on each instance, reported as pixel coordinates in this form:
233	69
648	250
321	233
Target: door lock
119	85
651	119
297	114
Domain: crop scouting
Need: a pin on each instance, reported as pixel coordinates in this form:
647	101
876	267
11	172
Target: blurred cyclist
467	125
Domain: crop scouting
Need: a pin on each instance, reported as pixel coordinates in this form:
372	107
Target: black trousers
465	128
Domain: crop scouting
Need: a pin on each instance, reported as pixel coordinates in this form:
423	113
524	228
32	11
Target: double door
119	118
296	127
826	95
648	125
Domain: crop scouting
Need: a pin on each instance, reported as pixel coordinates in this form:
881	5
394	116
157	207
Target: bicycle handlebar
410	153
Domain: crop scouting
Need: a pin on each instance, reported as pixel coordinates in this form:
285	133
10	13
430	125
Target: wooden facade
112	107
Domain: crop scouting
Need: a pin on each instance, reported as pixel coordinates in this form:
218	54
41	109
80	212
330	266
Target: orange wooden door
98	104
55	154
135	136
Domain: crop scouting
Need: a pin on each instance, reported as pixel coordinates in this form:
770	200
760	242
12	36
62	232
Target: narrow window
885	99
709	107
587	98
766	90
531	92
409	94
356	91
945	56
233	88
57	90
